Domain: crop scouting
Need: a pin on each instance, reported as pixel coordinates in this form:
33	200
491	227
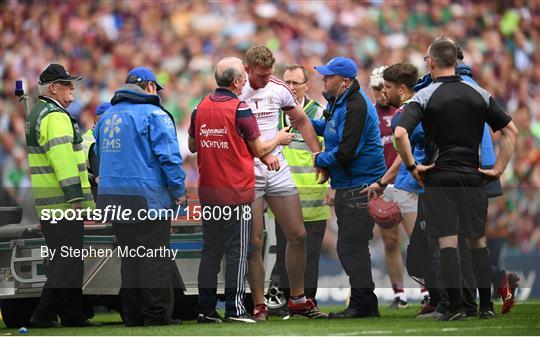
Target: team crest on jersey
270	100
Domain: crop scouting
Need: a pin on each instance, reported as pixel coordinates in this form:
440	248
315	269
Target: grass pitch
524	319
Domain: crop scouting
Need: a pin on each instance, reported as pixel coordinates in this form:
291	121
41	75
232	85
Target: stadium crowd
102	40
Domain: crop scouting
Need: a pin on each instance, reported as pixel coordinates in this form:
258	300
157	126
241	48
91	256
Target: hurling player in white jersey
266	95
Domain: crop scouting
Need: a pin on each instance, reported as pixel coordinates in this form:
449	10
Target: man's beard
384	105
396	103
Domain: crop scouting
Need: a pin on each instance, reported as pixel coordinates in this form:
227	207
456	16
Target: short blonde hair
260	56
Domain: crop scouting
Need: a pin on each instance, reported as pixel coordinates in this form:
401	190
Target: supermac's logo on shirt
203	131
214	144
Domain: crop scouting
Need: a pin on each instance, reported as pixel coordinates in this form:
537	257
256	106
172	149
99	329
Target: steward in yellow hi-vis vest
61	188
56	156
298	156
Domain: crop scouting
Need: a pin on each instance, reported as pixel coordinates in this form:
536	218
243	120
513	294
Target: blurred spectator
182	39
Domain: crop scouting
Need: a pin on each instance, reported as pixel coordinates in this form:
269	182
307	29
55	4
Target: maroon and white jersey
265	104
385	118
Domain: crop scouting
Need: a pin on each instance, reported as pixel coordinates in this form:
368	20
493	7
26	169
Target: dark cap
142	74
55	73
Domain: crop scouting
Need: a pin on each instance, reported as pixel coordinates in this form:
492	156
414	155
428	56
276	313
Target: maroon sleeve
191	129
246	123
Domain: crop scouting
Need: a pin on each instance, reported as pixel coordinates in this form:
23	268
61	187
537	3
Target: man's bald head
227	69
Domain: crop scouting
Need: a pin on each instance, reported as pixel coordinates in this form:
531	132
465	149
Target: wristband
379	182
315	160
411	167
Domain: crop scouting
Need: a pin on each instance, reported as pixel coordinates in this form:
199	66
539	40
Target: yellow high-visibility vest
298	156
56	158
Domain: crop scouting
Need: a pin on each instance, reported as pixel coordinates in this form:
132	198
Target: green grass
524	319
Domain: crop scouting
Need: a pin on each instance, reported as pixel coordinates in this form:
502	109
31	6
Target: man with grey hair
226	137
60	182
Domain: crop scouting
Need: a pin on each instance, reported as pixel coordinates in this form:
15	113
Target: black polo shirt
453	113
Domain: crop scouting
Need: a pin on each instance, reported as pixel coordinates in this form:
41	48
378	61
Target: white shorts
274	183
407	201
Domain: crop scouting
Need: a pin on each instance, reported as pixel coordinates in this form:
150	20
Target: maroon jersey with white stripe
385	118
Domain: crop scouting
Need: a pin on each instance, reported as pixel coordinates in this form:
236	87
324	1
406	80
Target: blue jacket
404	179
353	151
487	153
140	164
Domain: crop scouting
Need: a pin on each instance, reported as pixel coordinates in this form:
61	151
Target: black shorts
455	199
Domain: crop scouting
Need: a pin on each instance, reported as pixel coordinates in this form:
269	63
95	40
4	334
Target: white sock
300	300
402	296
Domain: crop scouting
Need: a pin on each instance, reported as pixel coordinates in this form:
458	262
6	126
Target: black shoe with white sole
212	318
487	313
241	319
451	316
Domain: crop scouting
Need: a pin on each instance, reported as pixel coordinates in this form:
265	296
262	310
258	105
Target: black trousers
420	260
146	281
355	229
314	238
231	238
62	294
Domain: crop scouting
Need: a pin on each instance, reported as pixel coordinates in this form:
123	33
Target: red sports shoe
507	290
307	309
260	313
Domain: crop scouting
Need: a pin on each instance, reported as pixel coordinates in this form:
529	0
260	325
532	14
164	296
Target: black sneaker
351	313
41	323
241	319
451	316
470	312
212	318
487	313
398	303
130	323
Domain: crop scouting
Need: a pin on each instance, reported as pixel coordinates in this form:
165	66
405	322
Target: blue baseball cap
142	74
102	107
342	66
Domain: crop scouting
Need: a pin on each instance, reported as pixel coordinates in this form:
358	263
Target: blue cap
342	66
142	74
102	107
